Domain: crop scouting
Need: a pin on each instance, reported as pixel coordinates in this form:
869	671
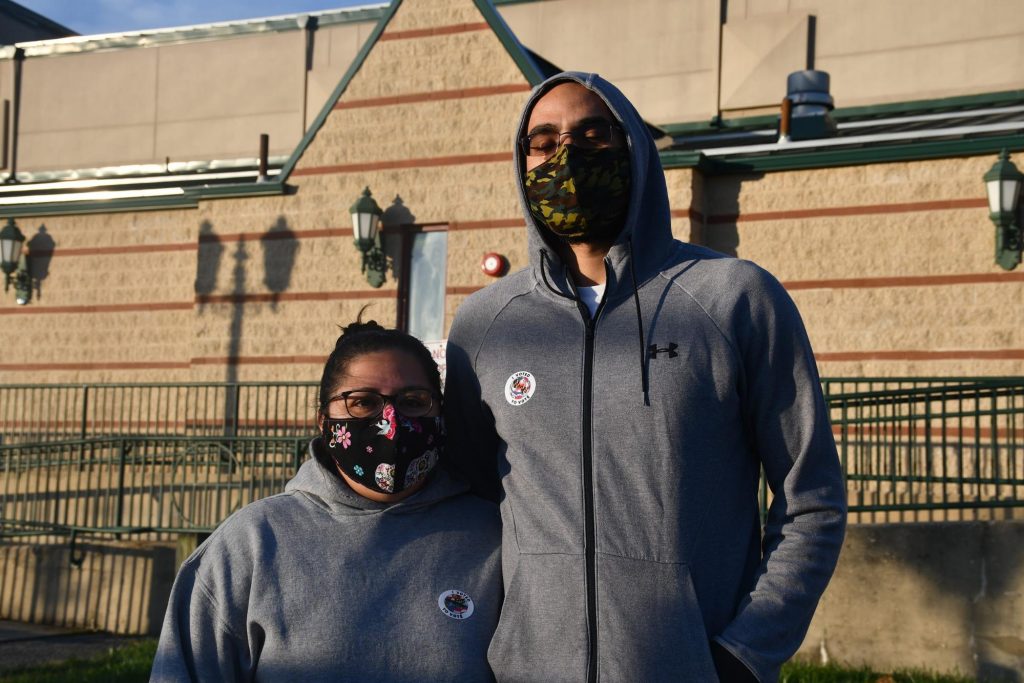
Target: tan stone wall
121	587
256	287
940	597
274	304
858	223
876	51
663	54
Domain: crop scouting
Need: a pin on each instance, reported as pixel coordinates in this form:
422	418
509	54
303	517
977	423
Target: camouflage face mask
581	195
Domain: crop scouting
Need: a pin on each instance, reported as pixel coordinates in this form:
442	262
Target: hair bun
358	326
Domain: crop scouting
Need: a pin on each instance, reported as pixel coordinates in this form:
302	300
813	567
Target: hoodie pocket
650	626
542	632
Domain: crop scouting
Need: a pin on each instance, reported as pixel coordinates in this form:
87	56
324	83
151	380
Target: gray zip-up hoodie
629	464
321	584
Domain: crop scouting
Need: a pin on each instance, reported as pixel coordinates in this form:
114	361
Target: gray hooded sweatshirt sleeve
320	584
627	461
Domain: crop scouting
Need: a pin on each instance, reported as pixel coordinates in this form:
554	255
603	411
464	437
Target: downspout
19	59
309	26
723	13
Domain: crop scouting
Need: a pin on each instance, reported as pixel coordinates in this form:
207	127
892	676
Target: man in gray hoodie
627	389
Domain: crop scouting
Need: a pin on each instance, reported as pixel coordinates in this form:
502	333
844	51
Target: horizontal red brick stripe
412	98
141	365
258	360
484	225
264	297
462	290
979	354
127	249
54	425
426	162
952	432
434	31
157	365
865	210
907	281
690	213
277	235
102	308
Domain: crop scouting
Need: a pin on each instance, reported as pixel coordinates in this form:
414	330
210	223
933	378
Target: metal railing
930	448
162	458
153	486
31	413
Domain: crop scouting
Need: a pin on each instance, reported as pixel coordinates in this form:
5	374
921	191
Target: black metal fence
31	413
158	459
153	486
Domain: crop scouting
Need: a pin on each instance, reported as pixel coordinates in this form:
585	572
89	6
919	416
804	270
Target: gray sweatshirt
321	584
629	465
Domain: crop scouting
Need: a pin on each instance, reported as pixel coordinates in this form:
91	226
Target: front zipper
588	486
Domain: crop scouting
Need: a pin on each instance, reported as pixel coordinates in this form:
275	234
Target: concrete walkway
24	645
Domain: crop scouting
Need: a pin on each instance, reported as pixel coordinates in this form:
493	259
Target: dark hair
358	338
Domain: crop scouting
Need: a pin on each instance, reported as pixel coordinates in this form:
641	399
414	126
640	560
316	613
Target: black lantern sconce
1003	183
365	224
14	263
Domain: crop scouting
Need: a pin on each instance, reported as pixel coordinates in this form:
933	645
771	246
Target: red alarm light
494	264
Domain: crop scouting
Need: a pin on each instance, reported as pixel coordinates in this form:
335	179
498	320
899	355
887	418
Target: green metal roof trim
841	114
491	16
833	157
192	196
342	86
519	54
27	16
189	200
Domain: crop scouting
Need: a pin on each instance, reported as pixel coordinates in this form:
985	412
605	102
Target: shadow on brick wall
943	596
721	204
40	249
121	587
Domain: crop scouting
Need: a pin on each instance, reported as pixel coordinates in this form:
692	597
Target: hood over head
647	234
328	490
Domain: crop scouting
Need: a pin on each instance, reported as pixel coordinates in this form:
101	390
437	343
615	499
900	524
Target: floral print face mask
388	453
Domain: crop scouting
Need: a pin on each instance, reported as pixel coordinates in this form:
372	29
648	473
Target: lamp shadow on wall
40	249
280	248
207	264
720	231
395	221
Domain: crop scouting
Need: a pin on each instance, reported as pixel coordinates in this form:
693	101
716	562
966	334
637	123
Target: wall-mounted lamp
1003	183
14	262
365	221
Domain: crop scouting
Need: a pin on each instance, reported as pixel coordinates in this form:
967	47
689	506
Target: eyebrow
411	387
545	127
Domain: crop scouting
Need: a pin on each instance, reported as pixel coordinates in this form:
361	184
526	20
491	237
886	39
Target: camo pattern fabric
580	192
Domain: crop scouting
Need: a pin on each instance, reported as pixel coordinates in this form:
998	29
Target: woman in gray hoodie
373	565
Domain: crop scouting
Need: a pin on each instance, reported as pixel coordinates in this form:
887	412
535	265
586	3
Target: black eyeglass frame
576	133
385	399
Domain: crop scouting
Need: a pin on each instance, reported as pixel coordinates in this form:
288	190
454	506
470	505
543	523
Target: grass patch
128	664
132	664
801	672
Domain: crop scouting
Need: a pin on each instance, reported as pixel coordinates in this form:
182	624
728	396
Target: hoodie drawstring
544	276
644	383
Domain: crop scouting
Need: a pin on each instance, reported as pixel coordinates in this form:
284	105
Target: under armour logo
653	350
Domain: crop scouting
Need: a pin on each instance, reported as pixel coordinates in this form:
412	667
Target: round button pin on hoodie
520	387
455	604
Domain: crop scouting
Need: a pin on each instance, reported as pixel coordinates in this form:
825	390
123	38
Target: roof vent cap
810	117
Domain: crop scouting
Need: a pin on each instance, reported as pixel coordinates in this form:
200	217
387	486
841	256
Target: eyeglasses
544	143
365	403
